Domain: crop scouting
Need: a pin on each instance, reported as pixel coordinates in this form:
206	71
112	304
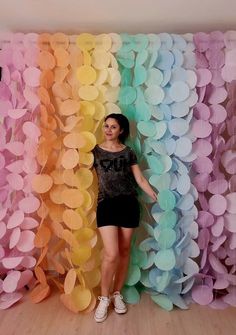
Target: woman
117	209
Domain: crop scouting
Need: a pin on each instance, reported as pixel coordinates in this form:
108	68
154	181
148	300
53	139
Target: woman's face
111	129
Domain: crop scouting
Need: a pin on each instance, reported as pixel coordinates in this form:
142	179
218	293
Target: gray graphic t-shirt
114	173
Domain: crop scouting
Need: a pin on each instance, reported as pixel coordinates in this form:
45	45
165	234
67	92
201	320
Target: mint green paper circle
160	182
130	294
141	57
127	95
140	42
126	58
167	238
126	77
166	200
155	164
127	42
143	112
147	128
168	219
165	259
140	75
129	111
133	275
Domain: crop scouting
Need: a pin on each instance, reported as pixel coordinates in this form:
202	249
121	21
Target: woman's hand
142	182
153	195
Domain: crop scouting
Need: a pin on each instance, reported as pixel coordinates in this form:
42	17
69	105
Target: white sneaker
118	303
101	310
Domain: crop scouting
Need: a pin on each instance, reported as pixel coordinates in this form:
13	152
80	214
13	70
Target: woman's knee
111	256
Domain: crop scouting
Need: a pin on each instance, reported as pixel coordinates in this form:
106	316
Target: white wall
133	16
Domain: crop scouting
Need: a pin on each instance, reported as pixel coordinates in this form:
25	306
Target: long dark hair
123	123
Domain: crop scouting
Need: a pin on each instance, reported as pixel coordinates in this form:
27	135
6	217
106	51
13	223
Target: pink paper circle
2	161
217	95
217	79
31	76
231	202
3	229
202	147
201	181
29	223
201	41
15	181
25	278
201	111
232	184
11	262
17	113
4	107
26	242
9	299
29	204
205	219
218	114
10	282
203	77
31	130
15	237
202	294
218	186
28	262
218	226
203	165
217	204
15	219
201	128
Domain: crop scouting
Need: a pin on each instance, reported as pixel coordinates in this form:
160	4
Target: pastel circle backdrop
178	92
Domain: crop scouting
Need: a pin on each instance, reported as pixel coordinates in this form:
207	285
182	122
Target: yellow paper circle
72	219
99	111
87	108
81	297
84	178
86	75
73	198
100	59
92	278
101	77
86	158
81	255
86	41
90	141
103	42
88	92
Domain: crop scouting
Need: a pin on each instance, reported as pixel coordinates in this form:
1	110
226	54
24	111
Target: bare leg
109	236
125	236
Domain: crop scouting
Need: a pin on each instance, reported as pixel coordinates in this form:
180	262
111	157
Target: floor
51	317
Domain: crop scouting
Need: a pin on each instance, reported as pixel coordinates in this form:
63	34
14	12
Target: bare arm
142	182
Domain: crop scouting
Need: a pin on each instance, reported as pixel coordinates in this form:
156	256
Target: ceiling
132	16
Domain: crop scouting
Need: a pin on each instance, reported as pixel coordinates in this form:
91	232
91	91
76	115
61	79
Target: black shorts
120	211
